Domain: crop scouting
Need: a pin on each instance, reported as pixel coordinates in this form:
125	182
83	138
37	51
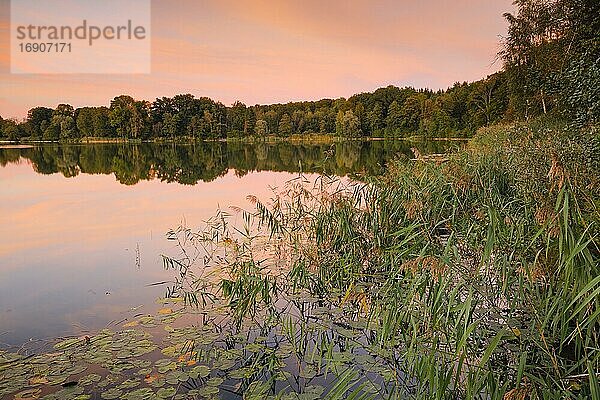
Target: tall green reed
477	278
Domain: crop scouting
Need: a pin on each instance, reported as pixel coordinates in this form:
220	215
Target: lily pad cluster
122	361
300	359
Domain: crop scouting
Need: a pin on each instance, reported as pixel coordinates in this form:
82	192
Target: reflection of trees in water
347	154
9	156
206	161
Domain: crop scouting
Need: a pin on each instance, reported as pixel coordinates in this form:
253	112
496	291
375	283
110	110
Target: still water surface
83	226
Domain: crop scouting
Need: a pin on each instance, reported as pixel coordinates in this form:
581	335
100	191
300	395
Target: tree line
551	66
389	111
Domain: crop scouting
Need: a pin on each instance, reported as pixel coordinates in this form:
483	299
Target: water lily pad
147	321
67	343
38	380
129	384
29	394
66	394
158	382
171	366
208	391
166	393
216	381
112	393
175	377
199	371
144	371
224	364
169	351
107	381
241	373
90	379
139	394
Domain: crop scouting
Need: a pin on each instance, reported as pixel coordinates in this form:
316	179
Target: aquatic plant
473	278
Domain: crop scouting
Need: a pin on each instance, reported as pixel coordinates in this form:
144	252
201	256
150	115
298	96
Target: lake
83	226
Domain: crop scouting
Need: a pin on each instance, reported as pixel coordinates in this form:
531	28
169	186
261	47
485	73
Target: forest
387	112
550	67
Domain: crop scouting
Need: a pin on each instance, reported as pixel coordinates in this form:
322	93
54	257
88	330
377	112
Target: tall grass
476	278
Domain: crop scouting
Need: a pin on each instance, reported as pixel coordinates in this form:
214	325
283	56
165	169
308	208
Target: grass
478	278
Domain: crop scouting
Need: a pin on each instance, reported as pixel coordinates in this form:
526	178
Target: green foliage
285	126
394	118
473	278
85	121
488	101
551	56
375	119
477	278
389	111
236	118
101	122
262	128
579	86
38	119
62	124
129	117
11	130
347	124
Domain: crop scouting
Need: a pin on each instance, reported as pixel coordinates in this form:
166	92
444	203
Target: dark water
83	226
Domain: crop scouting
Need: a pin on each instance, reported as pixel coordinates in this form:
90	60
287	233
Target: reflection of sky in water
65	243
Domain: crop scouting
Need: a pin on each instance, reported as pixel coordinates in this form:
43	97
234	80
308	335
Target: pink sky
260	51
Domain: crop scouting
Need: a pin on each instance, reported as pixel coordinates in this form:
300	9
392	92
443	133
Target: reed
475	277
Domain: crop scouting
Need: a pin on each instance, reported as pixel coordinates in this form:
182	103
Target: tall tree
38	119
101	122
375	119
393	121
551	56
62	125
236	117
85	121
285	125
350	125
360	113
10	129
487	100
129	117
411	113
249	121
262	128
